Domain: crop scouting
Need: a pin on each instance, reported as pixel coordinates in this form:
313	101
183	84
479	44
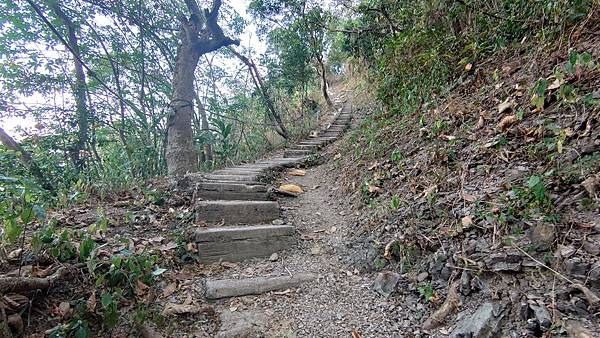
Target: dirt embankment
489	197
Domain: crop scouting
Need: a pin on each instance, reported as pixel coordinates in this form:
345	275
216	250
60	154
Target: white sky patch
248	39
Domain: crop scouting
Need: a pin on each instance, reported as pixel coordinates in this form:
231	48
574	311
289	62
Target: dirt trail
339	301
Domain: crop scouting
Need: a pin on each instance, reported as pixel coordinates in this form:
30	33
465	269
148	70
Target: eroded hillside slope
486	203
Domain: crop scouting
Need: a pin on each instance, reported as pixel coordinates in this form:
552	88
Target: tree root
4	328
449	305
20	284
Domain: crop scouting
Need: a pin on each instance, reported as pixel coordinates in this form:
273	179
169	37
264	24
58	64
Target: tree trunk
323	73
79	89
260	86
26	159
181	154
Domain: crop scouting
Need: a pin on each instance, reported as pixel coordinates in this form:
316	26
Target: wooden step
237	212
235	182
234	244
296	153
238	172
312	147
285	162
314	141
225	288
234	178
302	147
231	191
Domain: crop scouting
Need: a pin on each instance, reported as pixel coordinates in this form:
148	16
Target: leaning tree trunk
323	73
260	86
26	159
200	35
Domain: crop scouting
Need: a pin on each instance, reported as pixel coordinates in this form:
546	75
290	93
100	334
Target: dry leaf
169	246
480	122
35	272
577	330
506	105
179	309
555	85
192	247
507	122
428	191
15	254
169	289
141	288
373	189
355	334
467	221
448	137
291	188
469	198
229	265
297	172
90	304
387	252
157	239
590	185
64	309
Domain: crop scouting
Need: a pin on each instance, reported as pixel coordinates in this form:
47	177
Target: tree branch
26	159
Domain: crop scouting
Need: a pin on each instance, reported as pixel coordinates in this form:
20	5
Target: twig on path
449	305
592	298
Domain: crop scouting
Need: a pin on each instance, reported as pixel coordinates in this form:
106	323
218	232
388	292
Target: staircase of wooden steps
237	210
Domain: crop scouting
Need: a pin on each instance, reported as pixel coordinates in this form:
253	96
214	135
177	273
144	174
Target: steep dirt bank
491	192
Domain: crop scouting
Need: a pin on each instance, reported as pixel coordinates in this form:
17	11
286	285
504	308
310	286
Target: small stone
591	248
385	283
576	267
274	257
533	327
542	236
594	276
542	316
525	311
242	324
422	276
485	322
465	283
504	261
316	250
65	309
566	251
